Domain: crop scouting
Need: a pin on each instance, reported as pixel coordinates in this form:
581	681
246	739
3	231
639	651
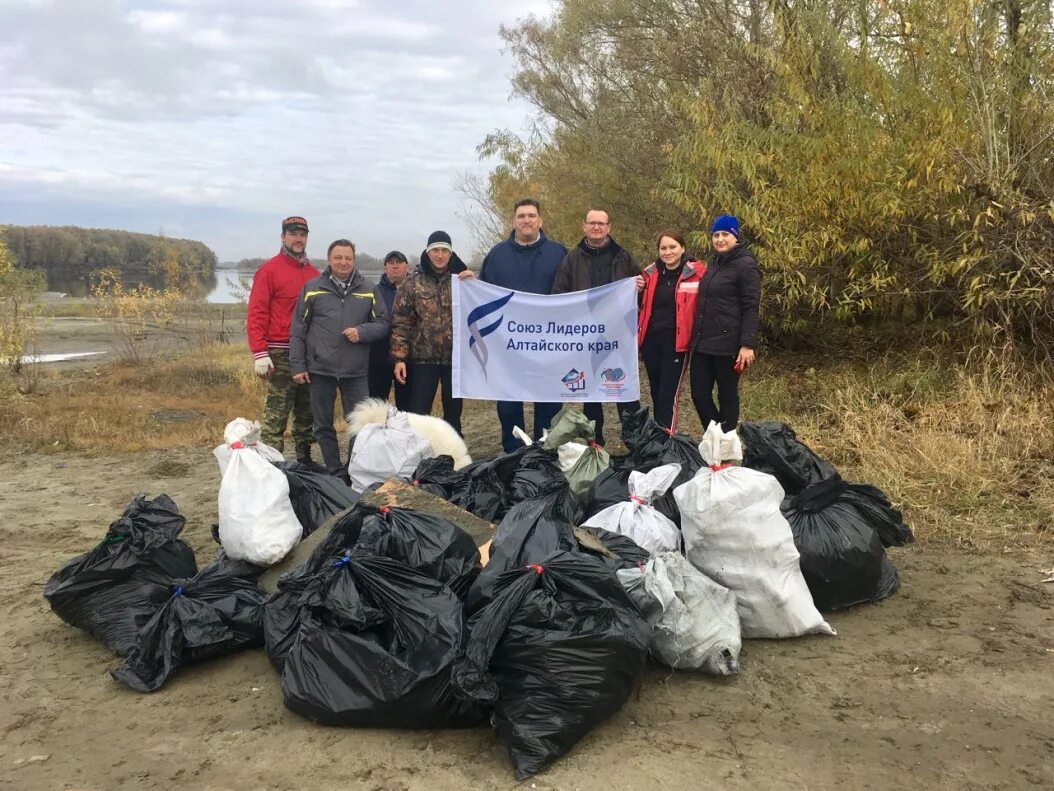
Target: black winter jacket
574	273
726	311
316	341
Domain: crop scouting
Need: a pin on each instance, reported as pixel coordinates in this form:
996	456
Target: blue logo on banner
475	343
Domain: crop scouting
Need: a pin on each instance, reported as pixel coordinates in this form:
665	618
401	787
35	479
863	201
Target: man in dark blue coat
526	261
381	377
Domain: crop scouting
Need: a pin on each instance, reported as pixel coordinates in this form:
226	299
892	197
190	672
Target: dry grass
965	448
183	401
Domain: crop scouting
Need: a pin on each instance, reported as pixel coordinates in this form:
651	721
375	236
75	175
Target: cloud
359	113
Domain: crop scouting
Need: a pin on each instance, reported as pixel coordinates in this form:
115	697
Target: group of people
316	334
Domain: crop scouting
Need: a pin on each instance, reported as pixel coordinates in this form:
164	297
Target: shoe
303	453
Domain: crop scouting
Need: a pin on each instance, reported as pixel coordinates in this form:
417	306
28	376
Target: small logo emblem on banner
574	380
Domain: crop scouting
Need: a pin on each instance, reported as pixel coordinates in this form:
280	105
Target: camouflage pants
285	396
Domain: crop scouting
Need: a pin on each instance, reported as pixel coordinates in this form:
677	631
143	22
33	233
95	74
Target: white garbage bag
386	450
257	522
636	518
247	433
568	455
695	624
735	534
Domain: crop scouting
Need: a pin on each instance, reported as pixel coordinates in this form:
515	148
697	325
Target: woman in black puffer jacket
726	325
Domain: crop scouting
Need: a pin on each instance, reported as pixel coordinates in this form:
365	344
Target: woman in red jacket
668	289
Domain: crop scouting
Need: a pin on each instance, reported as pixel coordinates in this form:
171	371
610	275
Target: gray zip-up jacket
316	338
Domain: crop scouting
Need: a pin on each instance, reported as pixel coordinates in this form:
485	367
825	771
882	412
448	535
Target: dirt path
950	684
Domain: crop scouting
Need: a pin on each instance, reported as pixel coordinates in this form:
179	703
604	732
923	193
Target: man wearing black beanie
423	331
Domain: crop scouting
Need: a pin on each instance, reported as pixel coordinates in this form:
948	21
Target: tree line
363	261
889	160
81	251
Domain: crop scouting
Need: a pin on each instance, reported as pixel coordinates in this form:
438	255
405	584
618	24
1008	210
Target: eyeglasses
597	223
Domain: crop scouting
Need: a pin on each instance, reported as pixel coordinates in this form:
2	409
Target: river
224	287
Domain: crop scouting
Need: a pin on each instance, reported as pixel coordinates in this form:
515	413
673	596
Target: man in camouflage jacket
422	330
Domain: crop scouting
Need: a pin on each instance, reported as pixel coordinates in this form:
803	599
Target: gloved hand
263	367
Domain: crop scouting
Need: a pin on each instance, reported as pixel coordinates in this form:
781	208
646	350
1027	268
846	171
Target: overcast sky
213	119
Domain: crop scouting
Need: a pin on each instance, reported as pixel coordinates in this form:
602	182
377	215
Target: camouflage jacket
422	331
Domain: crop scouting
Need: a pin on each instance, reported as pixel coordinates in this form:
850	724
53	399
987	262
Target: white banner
514	346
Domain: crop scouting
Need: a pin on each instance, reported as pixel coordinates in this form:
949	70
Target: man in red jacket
276	286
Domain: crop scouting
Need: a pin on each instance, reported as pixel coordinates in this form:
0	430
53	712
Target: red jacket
684	302
276	286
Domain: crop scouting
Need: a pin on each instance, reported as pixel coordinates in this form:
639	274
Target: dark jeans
708	369
510	414
323	392
665	369
422	380
381	379
595	412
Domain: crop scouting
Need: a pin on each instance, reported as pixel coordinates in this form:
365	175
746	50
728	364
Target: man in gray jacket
336	318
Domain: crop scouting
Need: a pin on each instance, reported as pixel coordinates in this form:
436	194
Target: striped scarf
302	258
343	286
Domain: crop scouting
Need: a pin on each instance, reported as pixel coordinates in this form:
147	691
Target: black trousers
510	414
381	380
706	370
595	412
422	380
664	367
323	392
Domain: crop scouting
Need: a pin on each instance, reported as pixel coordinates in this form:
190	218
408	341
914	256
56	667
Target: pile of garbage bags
139	592
675	551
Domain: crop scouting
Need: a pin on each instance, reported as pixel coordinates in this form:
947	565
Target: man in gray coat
336	318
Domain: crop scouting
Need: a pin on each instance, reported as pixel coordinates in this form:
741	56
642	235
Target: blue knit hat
726	222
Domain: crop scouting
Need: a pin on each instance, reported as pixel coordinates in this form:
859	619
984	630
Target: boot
303	452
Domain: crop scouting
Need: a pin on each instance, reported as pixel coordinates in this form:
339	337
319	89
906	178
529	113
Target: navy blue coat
380	352
523	267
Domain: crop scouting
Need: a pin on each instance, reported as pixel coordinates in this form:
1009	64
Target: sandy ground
950	684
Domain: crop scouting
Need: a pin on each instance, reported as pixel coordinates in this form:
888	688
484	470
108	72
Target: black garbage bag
376	647
614	550
531	531
436	475
612	487
773	447
492	486
112	591
281	619
212	614
315	494
558	650
536	468
842	557
886	520
425	542
477	488
237	568
650	446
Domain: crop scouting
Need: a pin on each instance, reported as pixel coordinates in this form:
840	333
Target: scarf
302	258
343	286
